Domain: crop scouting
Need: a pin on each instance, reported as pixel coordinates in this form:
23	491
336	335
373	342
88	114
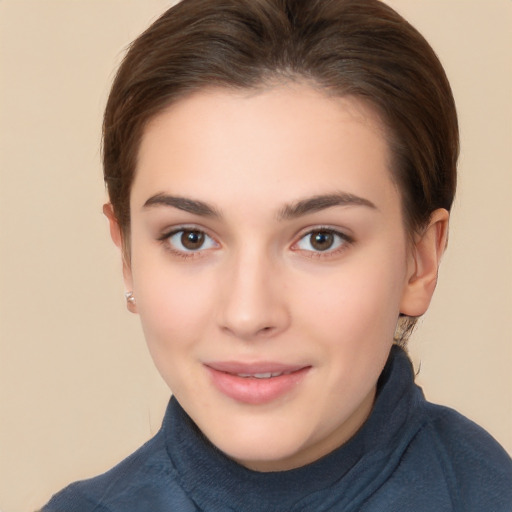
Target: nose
253	303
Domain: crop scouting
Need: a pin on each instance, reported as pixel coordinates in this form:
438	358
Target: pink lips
256	383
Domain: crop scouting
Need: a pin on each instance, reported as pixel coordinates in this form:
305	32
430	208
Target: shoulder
144	479
475	466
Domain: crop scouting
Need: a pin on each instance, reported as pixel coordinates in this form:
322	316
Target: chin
270	446
264	457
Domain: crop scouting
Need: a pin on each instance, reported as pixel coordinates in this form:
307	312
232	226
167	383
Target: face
269	265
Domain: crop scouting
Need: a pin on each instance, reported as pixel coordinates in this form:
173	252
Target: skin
258	289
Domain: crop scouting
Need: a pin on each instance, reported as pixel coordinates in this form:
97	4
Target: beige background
77	389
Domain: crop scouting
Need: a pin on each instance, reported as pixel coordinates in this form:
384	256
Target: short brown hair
361	48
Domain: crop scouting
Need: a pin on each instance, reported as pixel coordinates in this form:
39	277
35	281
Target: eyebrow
322	202
291	211
182	203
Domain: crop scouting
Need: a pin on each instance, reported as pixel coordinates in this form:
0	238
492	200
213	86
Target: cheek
174	306
175	313
358	303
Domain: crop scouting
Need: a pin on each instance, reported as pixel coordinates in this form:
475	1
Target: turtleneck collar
344	477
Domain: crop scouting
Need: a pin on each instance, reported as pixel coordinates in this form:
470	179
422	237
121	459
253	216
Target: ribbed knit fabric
410	455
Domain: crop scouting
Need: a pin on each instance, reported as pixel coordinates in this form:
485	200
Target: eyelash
343	240
342	243
165	239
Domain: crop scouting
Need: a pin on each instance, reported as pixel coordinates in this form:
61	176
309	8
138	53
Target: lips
255	383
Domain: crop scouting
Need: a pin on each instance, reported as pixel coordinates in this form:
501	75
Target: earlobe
425	257
117	237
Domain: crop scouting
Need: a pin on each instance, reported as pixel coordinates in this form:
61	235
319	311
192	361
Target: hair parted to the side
361	48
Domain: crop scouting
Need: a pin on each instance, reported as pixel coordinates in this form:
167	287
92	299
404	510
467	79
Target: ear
423	264
116	234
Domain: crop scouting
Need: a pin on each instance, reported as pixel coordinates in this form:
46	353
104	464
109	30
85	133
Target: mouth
255	384
268	375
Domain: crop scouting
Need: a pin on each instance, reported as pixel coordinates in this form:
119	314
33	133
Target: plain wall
78	391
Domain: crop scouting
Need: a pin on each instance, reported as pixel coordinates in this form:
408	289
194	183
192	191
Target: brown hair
346	47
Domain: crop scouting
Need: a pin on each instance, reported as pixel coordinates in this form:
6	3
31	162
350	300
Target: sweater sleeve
143	481
476	466
71	499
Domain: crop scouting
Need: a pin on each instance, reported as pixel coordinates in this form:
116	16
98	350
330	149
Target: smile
255	384
268	375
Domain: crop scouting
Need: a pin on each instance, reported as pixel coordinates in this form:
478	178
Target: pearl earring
130	298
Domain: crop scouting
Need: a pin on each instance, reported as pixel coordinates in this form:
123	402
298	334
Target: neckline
217	483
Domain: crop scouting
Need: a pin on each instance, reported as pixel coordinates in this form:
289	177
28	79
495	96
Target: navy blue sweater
410	455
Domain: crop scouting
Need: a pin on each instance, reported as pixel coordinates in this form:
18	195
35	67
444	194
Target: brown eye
192	240
189	240
321	240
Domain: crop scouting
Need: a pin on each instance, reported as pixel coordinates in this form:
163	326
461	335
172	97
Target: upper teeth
262	375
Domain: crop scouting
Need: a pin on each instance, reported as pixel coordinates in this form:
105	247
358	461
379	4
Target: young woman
280	175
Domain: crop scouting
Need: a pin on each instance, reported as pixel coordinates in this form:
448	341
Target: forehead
290	139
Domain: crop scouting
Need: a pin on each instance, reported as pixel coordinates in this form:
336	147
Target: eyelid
346	240
186	253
